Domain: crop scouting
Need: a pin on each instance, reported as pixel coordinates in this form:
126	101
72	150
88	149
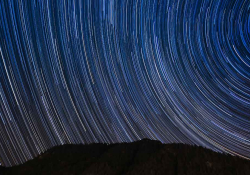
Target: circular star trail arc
84	71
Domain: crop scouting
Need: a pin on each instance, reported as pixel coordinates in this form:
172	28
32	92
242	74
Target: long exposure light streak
90	71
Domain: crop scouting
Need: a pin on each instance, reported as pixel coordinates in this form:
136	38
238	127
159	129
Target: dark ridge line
90	157
57	147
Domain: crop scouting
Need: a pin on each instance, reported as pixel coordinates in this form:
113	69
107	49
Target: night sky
84	71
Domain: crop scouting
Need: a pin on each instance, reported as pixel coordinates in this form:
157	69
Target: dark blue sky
83	71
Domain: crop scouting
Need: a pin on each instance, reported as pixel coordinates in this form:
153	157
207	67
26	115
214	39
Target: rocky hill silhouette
146	157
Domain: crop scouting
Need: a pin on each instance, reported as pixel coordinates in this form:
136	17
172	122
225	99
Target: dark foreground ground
144	157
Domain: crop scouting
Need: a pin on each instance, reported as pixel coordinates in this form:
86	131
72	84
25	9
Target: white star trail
108	71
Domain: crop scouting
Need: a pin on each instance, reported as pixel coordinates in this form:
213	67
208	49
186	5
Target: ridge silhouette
140	157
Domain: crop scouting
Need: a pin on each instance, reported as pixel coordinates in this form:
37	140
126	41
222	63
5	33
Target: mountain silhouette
146	157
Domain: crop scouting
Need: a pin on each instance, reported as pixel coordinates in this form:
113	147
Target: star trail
91	71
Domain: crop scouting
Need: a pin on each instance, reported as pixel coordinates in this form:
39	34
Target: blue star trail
90	71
